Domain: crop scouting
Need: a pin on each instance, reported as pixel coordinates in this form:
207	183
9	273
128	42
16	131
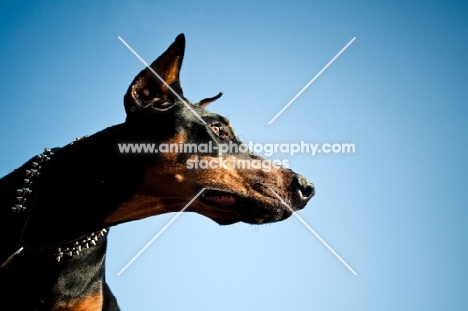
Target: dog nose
305	187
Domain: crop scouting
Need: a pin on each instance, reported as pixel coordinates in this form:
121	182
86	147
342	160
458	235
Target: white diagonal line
313	79
313	231
162	80
159	233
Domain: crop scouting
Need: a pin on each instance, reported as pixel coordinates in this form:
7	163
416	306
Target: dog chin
266	218
226	208
252	219
225	222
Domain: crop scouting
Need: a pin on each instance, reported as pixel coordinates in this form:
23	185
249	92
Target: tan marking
153	197
137	207
90	303
168	185
178	139
179	178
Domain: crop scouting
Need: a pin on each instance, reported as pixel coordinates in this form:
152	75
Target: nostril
308	191
305	187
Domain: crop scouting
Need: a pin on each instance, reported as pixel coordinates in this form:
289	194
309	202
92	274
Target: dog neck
63	215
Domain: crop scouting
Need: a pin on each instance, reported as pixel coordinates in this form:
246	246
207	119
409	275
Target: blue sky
395	210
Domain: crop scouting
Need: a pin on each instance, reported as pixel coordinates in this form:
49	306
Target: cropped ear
204	102
147	89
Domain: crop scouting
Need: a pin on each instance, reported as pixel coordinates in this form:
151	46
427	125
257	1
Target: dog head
239	185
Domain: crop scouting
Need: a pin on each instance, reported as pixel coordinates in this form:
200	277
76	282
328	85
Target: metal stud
59	254
27	181
68	251
78	139
32	173
21	199
35	165
18	208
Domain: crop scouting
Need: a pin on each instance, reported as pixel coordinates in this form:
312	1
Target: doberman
56	208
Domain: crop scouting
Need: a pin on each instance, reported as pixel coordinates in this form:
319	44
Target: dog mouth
219	198
228	208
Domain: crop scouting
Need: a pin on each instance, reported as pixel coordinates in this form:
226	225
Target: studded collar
24	193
